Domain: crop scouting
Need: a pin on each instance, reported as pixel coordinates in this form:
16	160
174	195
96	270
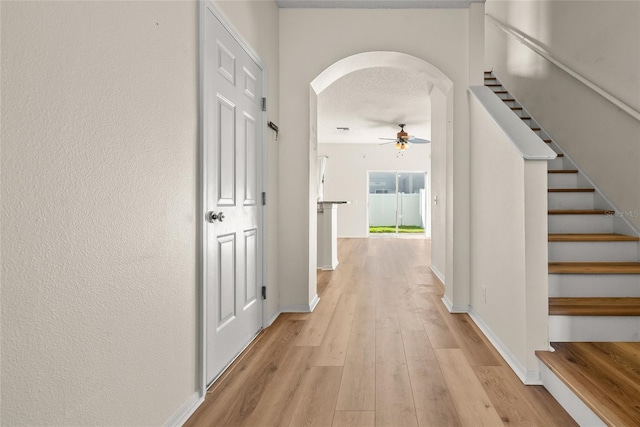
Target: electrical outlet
484	293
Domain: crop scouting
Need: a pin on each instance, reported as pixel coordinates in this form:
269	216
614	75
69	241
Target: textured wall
99	138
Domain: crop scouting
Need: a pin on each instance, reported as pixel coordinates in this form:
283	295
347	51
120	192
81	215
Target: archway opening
441	98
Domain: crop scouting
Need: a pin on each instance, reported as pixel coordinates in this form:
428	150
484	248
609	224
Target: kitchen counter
328	233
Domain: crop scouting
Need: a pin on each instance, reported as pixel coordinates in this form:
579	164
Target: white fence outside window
382	209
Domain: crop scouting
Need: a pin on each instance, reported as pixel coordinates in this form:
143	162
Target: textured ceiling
371	103
378	4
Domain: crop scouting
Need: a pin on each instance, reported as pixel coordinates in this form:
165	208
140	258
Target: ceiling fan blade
415	140
388	139
385	143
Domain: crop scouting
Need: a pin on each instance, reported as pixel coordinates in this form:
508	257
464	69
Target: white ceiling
371	103
378	4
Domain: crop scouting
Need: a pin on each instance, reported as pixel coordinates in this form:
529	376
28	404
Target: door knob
213	217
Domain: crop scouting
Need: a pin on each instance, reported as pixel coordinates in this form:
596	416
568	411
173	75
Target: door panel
226	63
233	144
250	84
227	280
227	153
251	266
250	183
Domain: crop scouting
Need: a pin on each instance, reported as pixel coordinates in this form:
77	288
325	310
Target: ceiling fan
403	139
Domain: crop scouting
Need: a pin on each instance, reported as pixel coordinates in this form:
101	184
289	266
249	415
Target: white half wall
346	177
509	282
99	186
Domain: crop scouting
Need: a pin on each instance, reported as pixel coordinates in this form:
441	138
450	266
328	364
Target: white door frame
205	7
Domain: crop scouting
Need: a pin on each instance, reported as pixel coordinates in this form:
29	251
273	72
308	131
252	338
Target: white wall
346	177
599	40
313	40
508	244
99	143
438	196
257	22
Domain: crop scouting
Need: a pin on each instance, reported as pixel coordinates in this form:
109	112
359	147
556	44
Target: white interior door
233	160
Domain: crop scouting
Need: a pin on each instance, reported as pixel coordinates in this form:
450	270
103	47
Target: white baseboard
528	377
328	267
273	318
300	308
185	411
454	308
439	275
571	403
314	302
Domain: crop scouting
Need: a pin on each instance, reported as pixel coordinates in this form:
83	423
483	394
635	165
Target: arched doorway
442	139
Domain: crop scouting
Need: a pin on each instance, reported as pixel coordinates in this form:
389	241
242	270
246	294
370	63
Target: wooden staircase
603	375
594	290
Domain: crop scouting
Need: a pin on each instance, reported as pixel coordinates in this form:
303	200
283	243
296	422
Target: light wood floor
380	349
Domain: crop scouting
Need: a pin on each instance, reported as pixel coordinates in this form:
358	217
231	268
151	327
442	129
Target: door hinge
264	104
264	292
264	198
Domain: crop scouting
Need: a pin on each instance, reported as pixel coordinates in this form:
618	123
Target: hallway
379	349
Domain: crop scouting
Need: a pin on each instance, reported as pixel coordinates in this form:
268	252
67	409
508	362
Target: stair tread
594	306
594	268
604	375
516	108
562	171
580	212
508	99
599	237
548	141
493	85
535	128
500	91
572	190
560	154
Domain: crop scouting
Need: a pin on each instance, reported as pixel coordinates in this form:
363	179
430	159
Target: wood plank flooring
379	350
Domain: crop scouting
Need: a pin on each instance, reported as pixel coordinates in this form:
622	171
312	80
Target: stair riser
563	180
580	224
594	285
571	201
578	410
555	164
593	251
594	328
